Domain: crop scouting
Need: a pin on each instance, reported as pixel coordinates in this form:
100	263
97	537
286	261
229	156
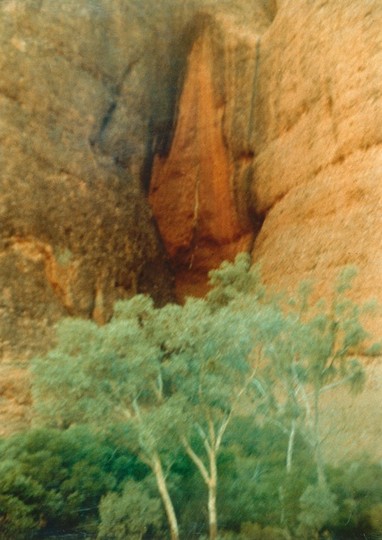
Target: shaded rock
200	189
80	95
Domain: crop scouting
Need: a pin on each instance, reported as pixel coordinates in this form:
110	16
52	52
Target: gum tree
112	374
176	377
211	370
173	376
318	350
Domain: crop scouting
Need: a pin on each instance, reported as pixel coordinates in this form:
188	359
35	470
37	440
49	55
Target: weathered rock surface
255	124
82	87
200	190
277	149
277	144
318	144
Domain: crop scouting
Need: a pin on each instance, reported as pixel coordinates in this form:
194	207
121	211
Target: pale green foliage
129	515
316	349
254	531
177	375
110	373
318	508
233	280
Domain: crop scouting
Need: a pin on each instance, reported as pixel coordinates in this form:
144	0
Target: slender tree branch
211	431
301	389
221	431
158	387
335	384
196	459
137	409
203	436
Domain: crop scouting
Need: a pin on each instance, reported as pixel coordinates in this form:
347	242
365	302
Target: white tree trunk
166	499
212	488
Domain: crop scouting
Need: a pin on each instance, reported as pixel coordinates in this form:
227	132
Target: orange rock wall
278	142
191	192
318	144
199	191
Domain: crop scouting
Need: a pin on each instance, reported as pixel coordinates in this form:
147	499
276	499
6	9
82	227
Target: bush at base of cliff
53	480
358	487
20	499
374	517
254	531
16	518
318	508
131	515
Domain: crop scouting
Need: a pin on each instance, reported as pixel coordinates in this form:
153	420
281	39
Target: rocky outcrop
277	149
199	190
81	93
248	125
318	145
277	145
79	101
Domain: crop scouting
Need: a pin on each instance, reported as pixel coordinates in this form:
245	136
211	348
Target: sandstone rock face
277	149
80	95
277	144
318	144
255	125
200	189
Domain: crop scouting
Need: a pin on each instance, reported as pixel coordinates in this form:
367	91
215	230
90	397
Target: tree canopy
175	378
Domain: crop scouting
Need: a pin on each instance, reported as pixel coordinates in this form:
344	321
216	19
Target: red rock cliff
278	142
277	149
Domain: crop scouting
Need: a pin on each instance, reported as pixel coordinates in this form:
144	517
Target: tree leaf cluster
175	380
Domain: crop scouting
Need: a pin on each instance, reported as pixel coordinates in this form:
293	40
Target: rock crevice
255	125
200	190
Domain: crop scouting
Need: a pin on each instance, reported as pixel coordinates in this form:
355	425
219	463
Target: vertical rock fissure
106	119
194	184
194	238
252	109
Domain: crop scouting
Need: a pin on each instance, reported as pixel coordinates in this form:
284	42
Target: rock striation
277	144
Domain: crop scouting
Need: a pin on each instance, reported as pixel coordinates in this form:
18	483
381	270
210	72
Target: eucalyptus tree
113	374
220	350
211	371
176	377
170	375
319	349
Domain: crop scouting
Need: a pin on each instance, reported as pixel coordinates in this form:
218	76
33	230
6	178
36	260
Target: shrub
54	480
129	515
318	508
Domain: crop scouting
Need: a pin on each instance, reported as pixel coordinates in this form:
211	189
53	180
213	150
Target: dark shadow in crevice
257	221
